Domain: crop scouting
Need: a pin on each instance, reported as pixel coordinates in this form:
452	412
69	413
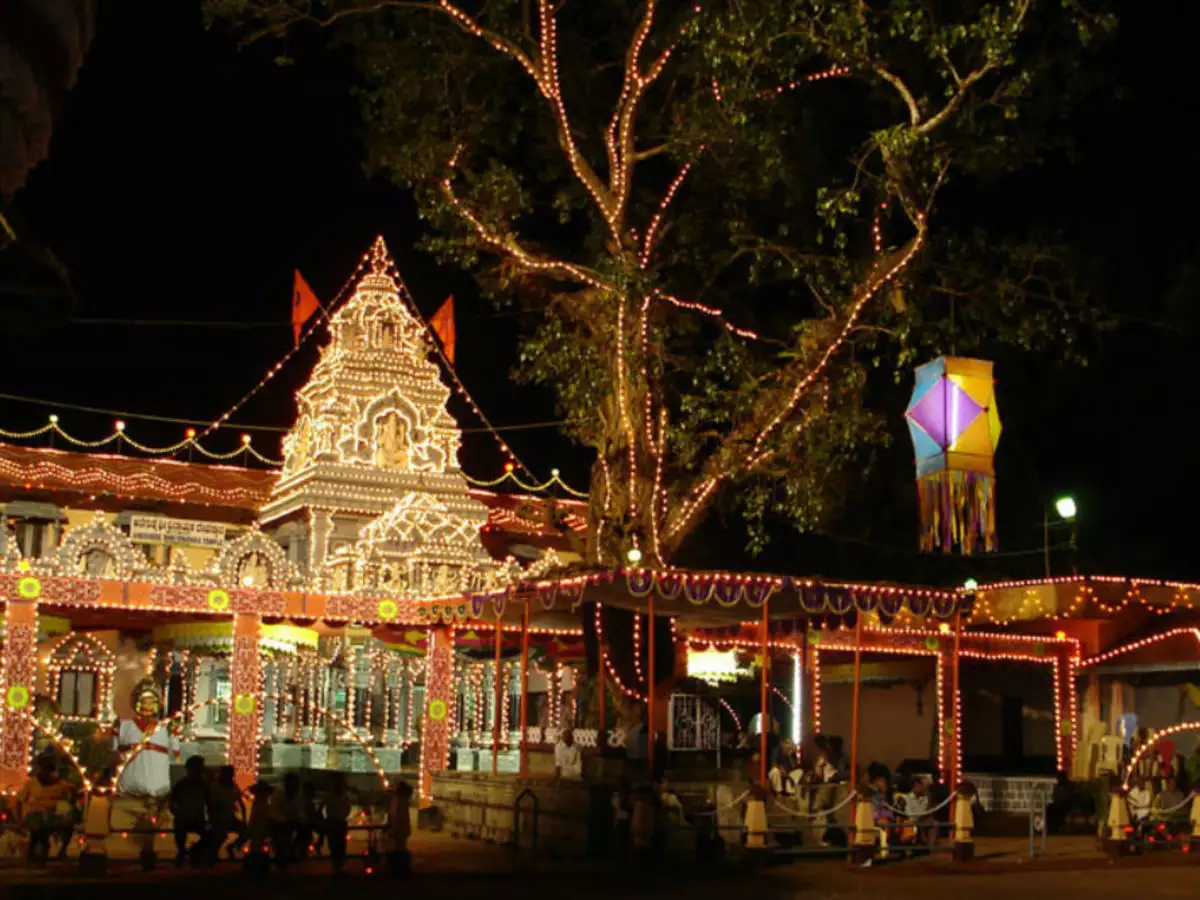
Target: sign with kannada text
176	532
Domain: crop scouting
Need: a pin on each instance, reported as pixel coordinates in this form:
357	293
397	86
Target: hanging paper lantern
955	428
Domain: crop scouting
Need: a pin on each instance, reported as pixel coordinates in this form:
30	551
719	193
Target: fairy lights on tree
724	280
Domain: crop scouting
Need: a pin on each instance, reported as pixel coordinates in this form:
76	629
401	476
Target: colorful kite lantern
955	428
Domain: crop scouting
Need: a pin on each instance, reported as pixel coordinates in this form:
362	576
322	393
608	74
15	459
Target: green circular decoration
1066	727
932	643
814	637
948	728
29	588
437	710
1039	649
218	599
244	704
17	696
388	609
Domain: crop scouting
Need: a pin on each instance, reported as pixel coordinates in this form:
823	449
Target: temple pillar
438	718
18	673
245	719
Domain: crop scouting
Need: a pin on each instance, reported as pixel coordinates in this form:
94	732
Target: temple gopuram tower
371	497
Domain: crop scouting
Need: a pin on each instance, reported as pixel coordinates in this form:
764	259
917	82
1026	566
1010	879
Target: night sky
187	179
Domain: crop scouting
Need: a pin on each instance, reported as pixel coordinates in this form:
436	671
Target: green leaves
824	136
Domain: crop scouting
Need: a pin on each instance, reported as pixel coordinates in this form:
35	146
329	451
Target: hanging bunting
955	428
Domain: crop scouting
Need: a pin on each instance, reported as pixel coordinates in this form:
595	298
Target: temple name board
177	532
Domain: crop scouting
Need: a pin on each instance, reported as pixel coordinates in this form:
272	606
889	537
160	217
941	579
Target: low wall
481	806
1011	793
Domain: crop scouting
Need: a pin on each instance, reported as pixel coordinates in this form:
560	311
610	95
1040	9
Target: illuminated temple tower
371	497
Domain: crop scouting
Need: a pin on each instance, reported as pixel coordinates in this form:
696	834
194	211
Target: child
337	816
227	813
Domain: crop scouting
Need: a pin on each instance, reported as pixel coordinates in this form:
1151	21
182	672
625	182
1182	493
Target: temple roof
235	493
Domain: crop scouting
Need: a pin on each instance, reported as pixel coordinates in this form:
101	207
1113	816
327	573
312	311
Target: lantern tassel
957	509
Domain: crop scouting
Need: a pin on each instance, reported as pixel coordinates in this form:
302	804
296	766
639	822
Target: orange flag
443	326
304	304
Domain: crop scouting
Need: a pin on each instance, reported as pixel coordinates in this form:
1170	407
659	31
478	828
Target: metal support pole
650	684
498	698
854	701
765	696
525	690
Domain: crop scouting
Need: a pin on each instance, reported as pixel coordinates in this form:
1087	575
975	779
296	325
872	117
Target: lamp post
1066	509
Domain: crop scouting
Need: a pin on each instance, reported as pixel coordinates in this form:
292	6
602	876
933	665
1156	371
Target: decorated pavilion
365	606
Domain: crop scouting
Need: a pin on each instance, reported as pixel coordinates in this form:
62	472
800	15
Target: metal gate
694	724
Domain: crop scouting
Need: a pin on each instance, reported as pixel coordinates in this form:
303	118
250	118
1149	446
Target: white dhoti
145	778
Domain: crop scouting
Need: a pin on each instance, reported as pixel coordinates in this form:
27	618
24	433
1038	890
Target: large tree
727	214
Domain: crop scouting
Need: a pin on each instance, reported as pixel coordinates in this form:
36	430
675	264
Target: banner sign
177	532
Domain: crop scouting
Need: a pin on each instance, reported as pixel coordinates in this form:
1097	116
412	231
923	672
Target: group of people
291	821
1153	801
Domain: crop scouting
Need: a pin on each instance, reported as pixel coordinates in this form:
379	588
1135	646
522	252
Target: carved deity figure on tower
391	447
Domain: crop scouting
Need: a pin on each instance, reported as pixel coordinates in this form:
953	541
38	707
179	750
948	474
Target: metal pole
765	696
955	775
1046	539
650	683
525	690
854	701
497	691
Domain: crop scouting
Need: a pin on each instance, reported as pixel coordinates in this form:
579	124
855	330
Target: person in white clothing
568	763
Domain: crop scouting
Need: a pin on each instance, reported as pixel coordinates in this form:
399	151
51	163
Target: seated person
915	804
780	779
1140	800
1169	806
39	808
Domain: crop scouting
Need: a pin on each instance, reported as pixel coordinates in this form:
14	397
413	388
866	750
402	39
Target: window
31	537
77	693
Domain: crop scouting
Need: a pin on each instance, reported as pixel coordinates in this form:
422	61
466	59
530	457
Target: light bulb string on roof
119	437
321	316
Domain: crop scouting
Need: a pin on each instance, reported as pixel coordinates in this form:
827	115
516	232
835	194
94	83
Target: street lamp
1066	509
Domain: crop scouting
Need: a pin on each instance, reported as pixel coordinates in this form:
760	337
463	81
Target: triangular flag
443	326
304	304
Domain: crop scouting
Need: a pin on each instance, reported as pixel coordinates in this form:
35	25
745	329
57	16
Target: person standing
337	818
227	814
568	763
189	801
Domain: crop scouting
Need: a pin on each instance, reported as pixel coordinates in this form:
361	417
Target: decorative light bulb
970	585
53	418
634	555
120	424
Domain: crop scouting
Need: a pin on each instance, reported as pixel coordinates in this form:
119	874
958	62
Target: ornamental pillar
18	670
438	718
949	713
1066	706
245	719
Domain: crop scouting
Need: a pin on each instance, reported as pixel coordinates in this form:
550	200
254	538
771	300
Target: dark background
186	181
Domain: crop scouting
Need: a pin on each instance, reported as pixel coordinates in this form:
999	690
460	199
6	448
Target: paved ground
462	869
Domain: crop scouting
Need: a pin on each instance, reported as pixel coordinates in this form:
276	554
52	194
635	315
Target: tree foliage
729	215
